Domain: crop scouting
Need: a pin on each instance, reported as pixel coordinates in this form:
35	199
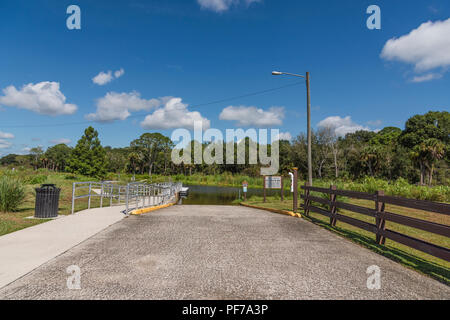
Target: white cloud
43	97
106	77
174	114
426	77
119	73
117	106
284	136
427	48
62	140
6	135
103	78
222	5
341	126
4	144
252	116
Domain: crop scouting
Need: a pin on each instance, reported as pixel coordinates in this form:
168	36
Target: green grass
13	221
429	265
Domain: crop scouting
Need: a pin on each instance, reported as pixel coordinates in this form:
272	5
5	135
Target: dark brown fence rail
381	216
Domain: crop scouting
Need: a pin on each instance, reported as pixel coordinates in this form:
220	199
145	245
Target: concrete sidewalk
25	250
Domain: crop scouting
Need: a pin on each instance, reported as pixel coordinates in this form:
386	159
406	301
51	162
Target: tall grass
12	193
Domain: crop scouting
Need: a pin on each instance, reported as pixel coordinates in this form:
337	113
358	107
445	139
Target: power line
145	114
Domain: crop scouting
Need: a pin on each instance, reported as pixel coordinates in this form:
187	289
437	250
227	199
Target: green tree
150	145
88	157
57	156
425	136
37	153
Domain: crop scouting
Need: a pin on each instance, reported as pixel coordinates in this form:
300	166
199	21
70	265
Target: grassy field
13	221
411	258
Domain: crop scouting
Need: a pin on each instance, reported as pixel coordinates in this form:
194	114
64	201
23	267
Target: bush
12	193
36	179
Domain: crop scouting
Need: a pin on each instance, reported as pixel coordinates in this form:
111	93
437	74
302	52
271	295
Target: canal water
212	195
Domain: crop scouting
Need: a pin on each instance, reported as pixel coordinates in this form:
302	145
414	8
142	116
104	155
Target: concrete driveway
220	252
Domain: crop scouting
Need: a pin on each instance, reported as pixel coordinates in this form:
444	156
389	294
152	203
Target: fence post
306	200
264	187
333	206
379	220
127	194
73	197
90	189
282	188
101	197
111	194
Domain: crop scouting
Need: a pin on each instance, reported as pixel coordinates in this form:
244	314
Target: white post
101	197
89	201
73	197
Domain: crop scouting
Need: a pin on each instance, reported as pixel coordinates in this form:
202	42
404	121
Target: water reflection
212	195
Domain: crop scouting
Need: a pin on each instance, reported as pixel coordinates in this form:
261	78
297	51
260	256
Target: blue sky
175	55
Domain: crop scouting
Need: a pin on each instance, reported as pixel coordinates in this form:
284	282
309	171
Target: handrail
137	194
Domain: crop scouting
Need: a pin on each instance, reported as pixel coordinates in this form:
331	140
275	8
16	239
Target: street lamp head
277	73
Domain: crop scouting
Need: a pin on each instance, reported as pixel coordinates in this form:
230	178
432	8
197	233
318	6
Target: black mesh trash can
47	199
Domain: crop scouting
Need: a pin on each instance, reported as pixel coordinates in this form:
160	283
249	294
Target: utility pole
308	112
308	102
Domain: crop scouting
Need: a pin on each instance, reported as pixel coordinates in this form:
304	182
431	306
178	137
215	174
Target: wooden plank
418	224
319	211
345	193
357	223
354	208
317	199
437	207
432	249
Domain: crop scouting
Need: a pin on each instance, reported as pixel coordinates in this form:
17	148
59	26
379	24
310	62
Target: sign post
244	189
273	182
282	188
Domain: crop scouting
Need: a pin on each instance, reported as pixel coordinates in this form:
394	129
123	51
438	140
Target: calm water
220	195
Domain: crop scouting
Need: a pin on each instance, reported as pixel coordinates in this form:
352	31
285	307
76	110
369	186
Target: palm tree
434	151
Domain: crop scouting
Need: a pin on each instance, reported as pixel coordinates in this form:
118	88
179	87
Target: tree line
418	153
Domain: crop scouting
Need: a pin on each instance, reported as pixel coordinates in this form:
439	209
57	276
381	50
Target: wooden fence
381	216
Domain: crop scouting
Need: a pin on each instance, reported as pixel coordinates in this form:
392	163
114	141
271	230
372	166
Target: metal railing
135	195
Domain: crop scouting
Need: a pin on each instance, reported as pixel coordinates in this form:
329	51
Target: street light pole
308	112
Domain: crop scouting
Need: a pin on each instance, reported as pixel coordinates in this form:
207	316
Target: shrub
12	193
36	179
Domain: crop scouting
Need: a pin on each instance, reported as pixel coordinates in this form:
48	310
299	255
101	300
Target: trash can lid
48	185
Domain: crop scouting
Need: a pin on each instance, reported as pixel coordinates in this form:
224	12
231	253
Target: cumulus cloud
5	144
253	117
43	98
6	135
426	77
174	114
106	77
222	5
119	73
427	48
117	106
341	126
62	140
